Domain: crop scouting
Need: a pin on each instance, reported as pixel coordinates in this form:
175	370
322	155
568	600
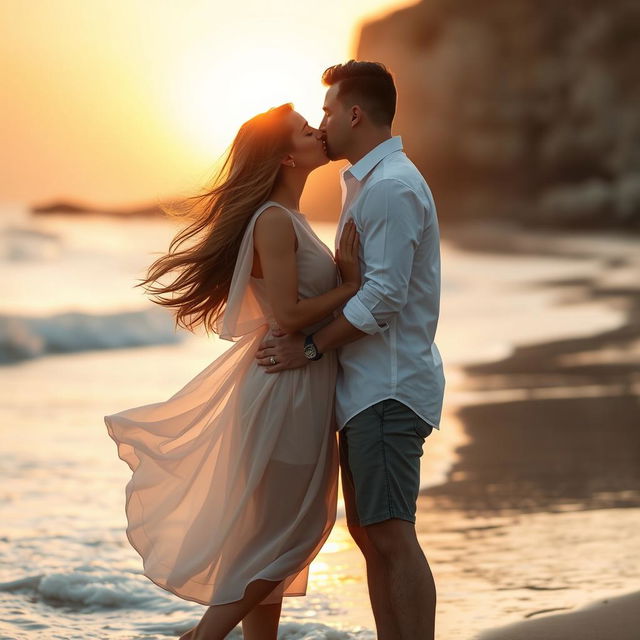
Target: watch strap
308	341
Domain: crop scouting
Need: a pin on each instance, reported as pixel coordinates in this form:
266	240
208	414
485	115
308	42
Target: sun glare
212	97
144	97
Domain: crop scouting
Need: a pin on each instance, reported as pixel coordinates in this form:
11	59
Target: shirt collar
361	168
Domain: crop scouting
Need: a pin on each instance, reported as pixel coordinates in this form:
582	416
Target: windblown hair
368	83
219	218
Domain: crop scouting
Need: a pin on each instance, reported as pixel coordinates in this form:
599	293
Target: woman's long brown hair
220	217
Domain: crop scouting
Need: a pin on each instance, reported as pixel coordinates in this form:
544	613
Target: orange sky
118	102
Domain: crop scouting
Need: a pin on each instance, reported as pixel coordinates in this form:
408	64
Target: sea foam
24	337
89	589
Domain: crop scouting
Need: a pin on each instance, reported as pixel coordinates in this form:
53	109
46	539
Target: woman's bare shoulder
274	225
274	215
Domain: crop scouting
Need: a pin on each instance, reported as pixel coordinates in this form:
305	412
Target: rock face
519	108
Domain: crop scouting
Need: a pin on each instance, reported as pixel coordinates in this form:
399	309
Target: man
391	382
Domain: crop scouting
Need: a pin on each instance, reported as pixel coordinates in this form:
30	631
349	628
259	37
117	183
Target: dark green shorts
380	451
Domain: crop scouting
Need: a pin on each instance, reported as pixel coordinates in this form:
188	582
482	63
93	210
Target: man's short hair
369	84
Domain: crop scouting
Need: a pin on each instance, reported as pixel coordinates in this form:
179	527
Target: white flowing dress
235	476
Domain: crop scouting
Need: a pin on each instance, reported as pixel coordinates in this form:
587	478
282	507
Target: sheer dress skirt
234	477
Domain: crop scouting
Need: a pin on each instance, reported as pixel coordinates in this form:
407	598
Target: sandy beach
617	618
537	520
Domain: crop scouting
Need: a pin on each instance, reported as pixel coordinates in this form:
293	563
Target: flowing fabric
235	476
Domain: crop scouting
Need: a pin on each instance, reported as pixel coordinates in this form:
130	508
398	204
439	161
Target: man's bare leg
377	578
410	584
219	620
261	623
378	584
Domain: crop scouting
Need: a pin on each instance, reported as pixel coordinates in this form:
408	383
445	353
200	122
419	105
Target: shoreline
504	236
547	404
549	465
493	570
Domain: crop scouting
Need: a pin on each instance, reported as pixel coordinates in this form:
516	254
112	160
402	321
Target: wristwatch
310	350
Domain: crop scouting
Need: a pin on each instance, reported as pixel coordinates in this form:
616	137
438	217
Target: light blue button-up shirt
399	301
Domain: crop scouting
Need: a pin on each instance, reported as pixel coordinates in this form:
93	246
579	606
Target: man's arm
392	224
287	349
335	334
393	219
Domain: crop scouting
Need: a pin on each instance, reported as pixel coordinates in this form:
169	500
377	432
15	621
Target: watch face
310	351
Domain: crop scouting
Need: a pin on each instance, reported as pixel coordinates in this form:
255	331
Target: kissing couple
333	372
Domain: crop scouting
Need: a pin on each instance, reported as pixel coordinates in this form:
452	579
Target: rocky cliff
519	108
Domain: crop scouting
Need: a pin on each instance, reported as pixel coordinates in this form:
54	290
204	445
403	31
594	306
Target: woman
234	483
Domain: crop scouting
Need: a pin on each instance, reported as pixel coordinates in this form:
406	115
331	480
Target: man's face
335	126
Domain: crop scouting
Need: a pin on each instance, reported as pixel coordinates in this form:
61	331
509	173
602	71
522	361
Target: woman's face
307	149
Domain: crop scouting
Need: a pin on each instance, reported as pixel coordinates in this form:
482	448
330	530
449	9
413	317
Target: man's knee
392	538
360	537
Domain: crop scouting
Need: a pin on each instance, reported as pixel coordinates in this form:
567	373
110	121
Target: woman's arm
275	243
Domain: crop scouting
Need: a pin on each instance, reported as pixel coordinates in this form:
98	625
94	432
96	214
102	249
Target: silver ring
272	360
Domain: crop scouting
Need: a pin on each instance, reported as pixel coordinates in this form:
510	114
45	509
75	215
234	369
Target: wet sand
538	514
609	618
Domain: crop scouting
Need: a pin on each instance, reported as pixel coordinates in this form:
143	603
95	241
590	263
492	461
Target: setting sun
130	102
214	95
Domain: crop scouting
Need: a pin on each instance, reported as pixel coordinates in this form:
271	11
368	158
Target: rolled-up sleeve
390	224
